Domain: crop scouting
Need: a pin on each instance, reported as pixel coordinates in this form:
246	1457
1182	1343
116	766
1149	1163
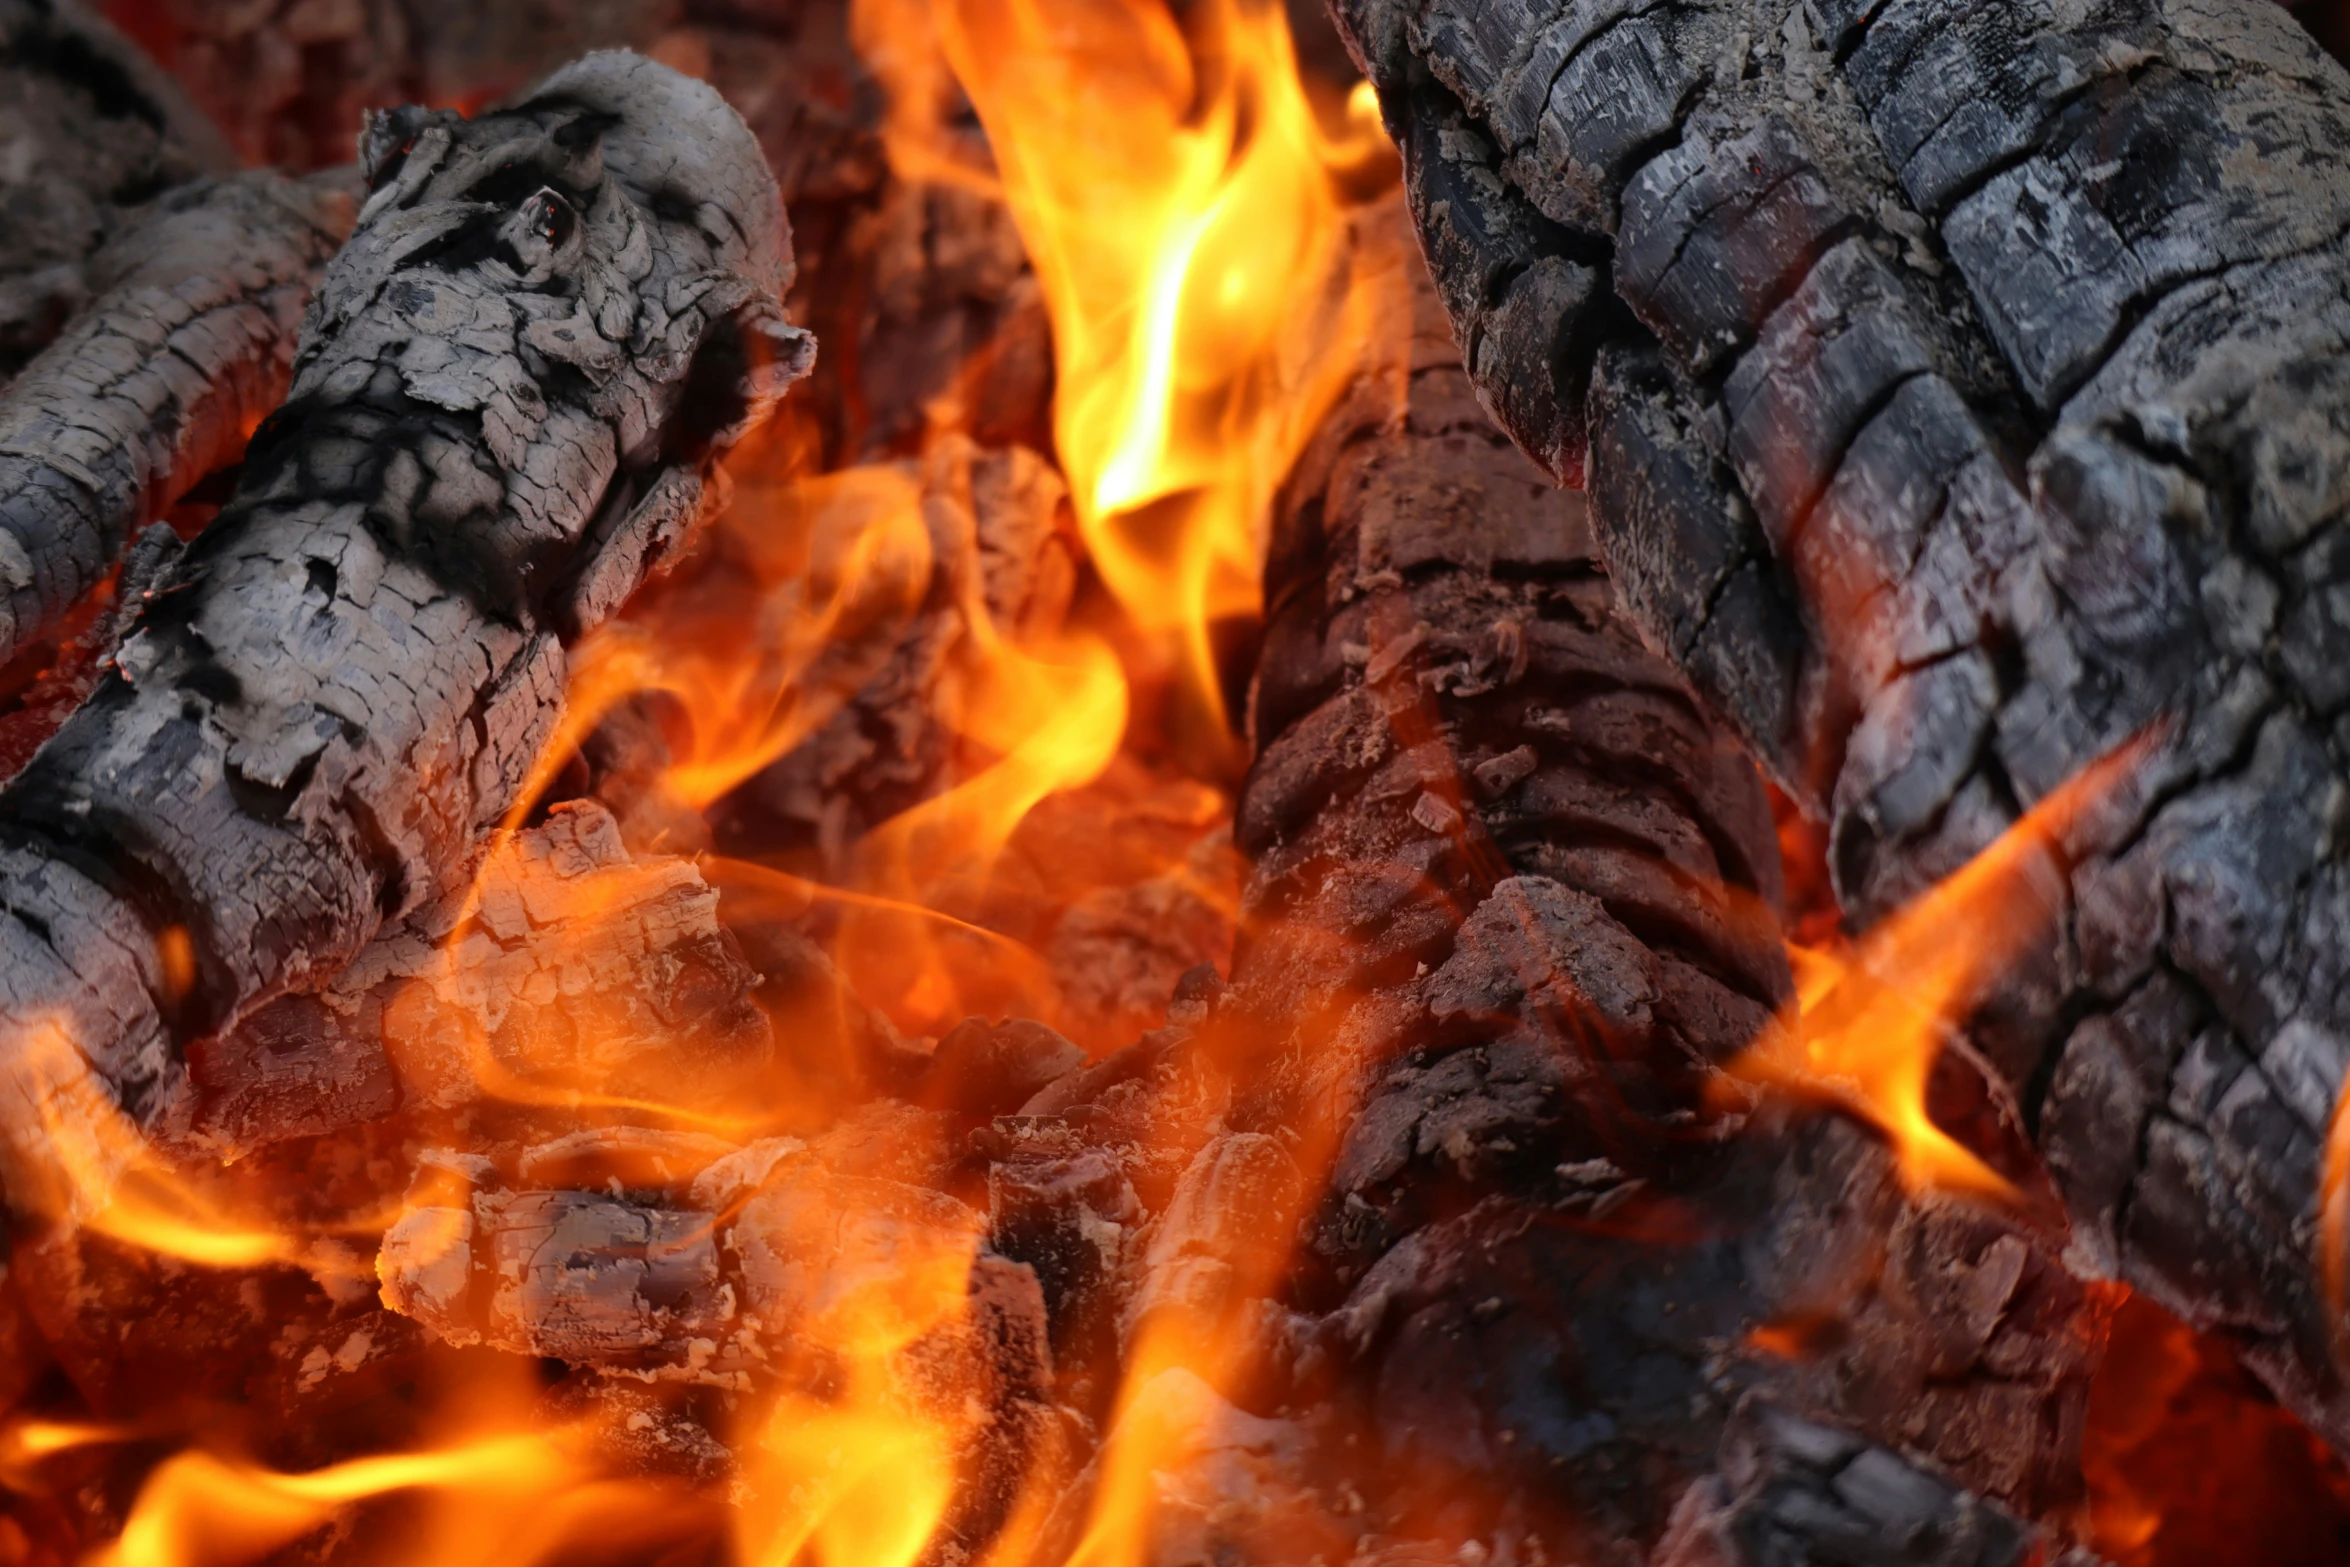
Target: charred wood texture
559	959
919	290
187	343
89	130
1522	893
1960	391
463	1025
506	400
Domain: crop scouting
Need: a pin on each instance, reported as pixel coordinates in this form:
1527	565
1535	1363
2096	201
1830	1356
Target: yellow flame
200	1508
862	1473
1183	207
831	570
1870	1023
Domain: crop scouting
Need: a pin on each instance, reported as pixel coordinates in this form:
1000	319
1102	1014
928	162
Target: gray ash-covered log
90	130
1961	392
186	344
509	392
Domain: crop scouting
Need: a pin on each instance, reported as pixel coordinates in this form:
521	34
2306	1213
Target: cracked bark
1960	391
559	960
187	343
1547	1263
561	957
90	130
507	395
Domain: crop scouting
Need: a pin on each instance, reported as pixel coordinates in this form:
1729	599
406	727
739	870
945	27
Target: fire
1872	1019
854	1464
199	1509
510	1496
103	1174
1183	205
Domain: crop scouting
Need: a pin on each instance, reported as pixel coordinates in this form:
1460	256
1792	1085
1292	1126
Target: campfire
1109	783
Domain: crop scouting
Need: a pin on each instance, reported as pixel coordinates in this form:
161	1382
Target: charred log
1546	1255
1960	393
89	130
188	343
504	408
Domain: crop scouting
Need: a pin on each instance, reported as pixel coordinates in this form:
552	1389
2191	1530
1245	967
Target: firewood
561	964
345	682
90	130
158	382
998	535
1954	410
1513	900
735	1272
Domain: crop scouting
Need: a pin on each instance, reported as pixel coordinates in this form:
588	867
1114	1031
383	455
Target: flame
1871	1020
832	569
1183	206
854	1464
99	1171
200	1508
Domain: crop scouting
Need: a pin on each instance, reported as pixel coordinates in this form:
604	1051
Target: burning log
560	961
1959	396
158	382
1554	892
345	682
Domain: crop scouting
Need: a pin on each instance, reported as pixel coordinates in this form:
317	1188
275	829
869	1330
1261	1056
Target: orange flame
1183	206
861	1472
1871	1021
199	1508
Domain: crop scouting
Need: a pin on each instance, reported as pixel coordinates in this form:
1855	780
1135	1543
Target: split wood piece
1961	394
561	966
1513	901
757	1270
89	130
188	342
508	395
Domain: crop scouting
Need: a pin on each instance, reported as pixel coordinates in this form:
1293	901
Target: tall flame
1183	206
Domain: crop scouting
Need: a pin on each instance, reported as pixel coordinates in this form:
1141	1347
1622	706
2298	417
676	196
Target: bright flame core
1181	202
